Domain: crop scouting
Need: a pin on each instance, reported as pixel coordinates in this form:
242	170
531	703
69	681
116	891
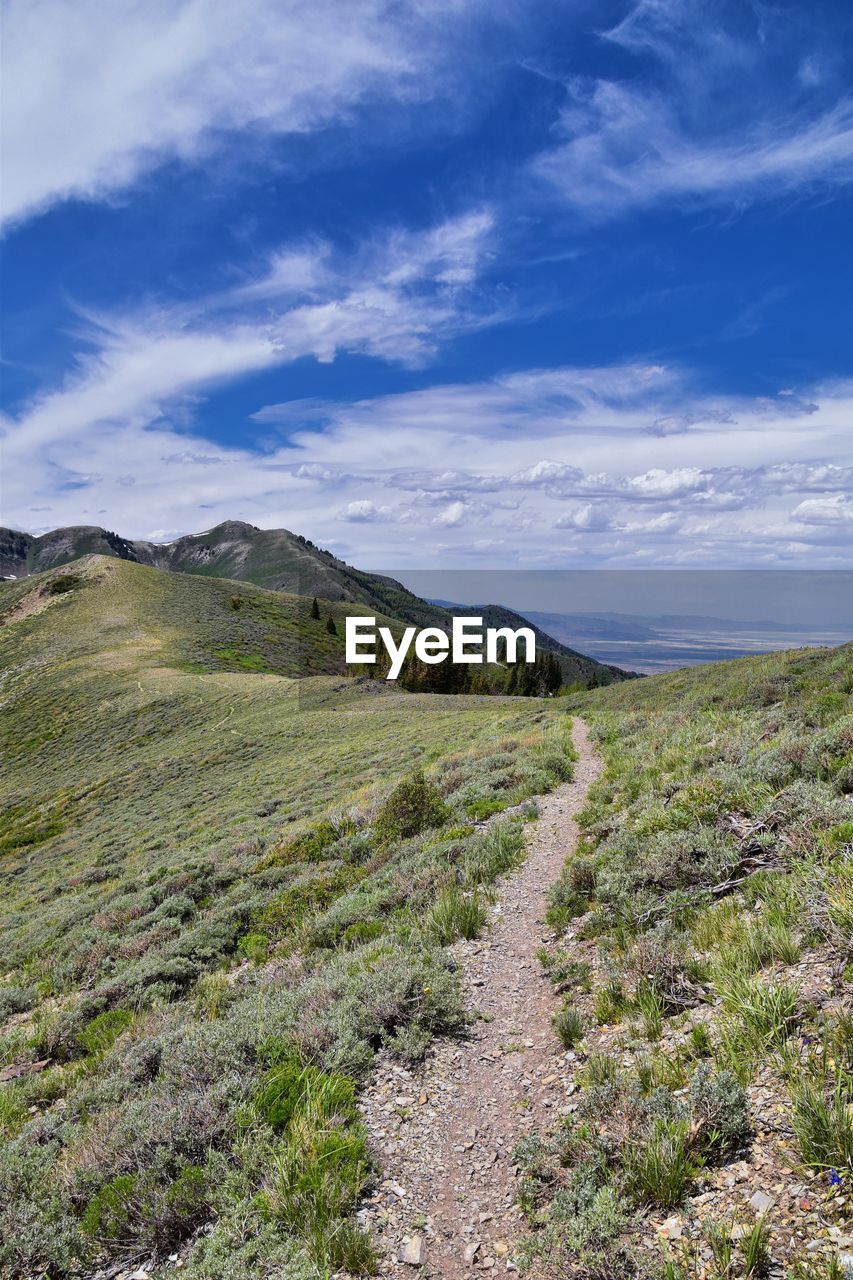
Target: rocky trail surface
444	1134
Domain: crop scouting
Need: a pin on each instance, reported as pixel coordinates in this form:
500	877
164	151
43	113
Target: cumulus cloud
589	519
832	510
364	511
452	515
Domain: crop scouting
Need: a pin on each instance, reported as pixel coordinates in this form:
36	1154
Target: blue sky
444	282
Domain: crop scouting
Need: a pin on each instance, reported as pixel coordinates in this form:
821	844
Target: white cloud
708	127
589	519
834	510
626	149
502	468
96	95
146	363
364	512
452	515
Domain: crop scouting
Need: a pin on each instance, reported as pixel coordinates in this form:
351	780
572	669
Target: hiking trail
444	1133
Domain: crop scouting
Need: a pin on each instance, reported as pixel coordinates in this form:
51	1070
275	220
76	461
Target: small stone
671	1229
411	1251
761	1202
470	1252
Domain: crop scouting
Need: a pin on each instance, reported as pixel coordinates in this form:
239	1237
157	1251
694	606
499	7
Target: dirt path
444	1134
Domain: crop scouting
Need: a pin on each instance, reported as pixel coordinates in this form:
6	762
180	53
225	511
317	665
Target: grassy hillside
277	560
706	956
224	890
133	613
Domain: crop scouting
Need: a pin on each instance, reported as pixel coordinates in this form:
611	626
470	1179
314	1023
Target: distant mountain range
278	560
661	642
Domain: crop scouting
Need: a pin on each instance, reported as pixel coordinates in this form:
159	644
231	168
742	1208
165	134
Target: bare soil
444	1133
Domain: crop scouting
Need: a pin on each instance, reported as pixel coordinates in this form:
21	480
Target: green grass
569	1026
658	1166
168	814
714	857
456	914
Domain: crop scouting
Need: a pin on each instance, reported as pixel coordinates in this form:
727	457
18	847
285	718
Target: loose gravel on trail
443	1134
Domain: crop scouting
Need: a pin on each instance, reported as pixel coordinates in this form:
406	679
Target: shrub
569	1026
16	999
137	1210
564	903
588	1212
65	582
414	805
255	947
720	1109
664	967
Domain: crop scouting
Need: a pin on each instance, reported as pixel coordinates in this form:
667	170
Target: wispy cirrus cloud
715	124
394	301
96	95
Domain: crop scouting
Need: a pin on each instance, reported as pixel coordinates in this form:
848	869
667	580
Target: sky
459	283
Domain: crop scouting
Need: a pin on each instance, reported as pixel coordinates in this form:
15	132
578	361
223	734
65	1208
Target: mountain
277	560
594	626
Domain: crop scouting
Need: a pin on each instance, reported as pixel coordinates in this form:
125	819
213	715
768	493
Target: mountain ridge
277	560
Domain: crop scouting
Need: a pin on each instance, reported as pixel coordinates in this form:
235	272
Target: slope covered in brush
706	950
101	604
223	891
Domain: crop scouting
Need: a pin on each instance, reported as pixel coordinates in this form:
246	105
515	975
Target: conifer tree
330	626
315	610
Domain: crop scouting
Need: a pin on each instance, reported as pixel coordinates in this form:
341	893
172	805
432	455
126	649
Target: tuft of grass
569	1026
700	1040
320	1164
720	1239
456	914
100	1034
822	1117
658	1166
651	1007
756	1250
600	1069
610	1002
758	1017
